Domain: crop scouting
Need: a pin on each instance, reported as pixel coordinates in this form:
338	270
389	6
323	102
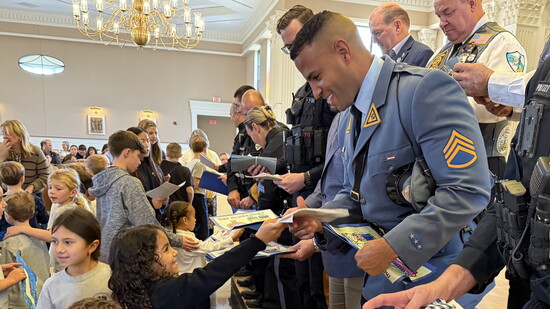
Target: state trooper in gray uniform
395	115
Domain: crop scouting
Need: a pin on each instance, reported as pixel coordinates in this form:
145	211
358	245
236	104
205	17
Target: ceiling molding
256	20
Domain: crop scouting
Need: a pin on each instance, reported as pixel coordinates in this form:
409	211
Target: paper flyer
265	176
272	248
164	190
204	160
317	214
238	220
357	235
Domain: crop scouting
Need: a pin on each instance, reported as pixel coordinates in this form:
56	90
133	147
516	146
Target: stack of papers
242	163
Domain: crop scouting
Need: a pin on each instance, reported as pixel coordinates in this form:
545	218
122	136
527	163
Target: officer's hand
473	77
246	203
233	198
452	284
223	178
291	182
303	229
304	249
375	257
494	108
256	169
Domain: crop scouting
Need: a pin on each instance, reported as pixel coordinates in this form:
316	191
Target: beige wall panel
123	81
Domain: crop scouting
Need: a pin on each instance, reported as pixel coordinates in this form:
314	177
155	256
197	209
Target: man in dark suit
389	24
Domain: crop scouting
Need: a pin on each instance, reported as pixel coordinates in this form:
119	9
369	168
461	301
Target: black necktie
357	117
392	54
455	48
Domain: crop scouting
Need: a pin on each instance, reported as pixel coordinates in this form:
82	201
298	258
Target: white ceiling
228	20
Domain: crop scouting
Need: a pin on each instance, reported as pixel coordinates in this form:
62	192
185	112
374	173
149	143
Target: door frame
206	108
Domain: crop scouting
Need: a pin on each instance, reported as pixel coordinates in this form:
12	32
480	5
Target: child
144	267
19	209
63	185
181	216
85	184
75	241
198	145
94	303
121	200
96	163
178	174
12	174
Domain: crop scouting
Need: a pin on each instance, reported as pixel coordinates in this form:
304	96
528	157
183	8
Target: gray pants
345	293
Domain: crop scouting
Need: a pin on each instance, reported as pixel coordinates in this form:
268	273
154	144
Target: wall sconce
148	113
95	109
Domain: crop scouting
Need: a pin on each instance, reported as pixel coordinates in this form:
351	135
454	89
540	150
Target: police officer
491	246
243	145
473	39
395	115
305	153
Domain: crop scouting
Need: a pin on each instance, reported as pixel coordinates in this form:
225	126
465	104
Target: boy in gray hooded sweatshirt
121	199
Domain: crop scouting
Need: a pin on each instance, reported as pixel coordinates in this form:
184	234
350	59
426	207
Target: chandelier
140	22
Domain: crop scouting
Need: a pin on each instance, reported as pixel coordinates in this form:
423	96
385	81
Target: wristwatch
317	249
307	178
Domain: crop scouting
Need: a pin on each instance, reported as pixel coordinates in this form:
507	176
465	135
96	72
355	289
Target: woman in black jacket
263	128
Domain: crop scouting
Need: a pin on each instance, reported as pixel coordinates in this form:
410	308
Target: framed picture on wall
96	125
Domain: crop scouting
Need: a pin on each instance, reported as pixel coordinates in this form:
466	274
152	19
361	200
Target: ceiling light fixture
126	21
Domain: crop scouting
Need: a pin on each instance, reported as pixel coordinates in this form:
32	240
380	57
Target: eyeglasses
286	48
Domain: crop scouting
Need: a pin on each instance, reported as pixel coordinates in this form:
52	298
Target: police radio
539	245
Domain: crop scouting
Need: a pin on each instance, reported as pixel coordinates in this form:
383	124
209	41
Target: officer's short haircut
309	32
241	90
299	12
198	144
11	173
393	11
234	108
173	150
20	205
121	140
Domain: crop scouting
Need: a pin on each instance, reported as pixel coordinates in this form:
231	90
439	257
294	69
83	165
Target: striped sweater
37	168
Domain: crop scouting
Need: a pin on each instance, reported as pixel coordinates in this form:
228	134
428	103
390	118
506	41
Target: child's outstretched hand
270	230
12	273
236	234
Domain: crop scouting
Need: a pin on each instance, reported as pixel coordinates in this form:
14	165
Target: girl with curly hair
145	267
75	242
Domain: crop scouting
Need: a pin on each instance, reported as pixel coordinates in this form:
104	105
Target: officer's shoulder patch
516	61
460	151
372	117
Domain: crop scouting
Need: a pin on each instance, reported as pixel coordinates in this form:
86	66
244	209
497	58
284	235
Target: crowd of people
401	147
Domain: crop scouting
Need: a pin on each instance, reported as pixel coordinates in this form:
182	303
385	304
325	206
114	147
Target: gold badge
372	117
437	60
